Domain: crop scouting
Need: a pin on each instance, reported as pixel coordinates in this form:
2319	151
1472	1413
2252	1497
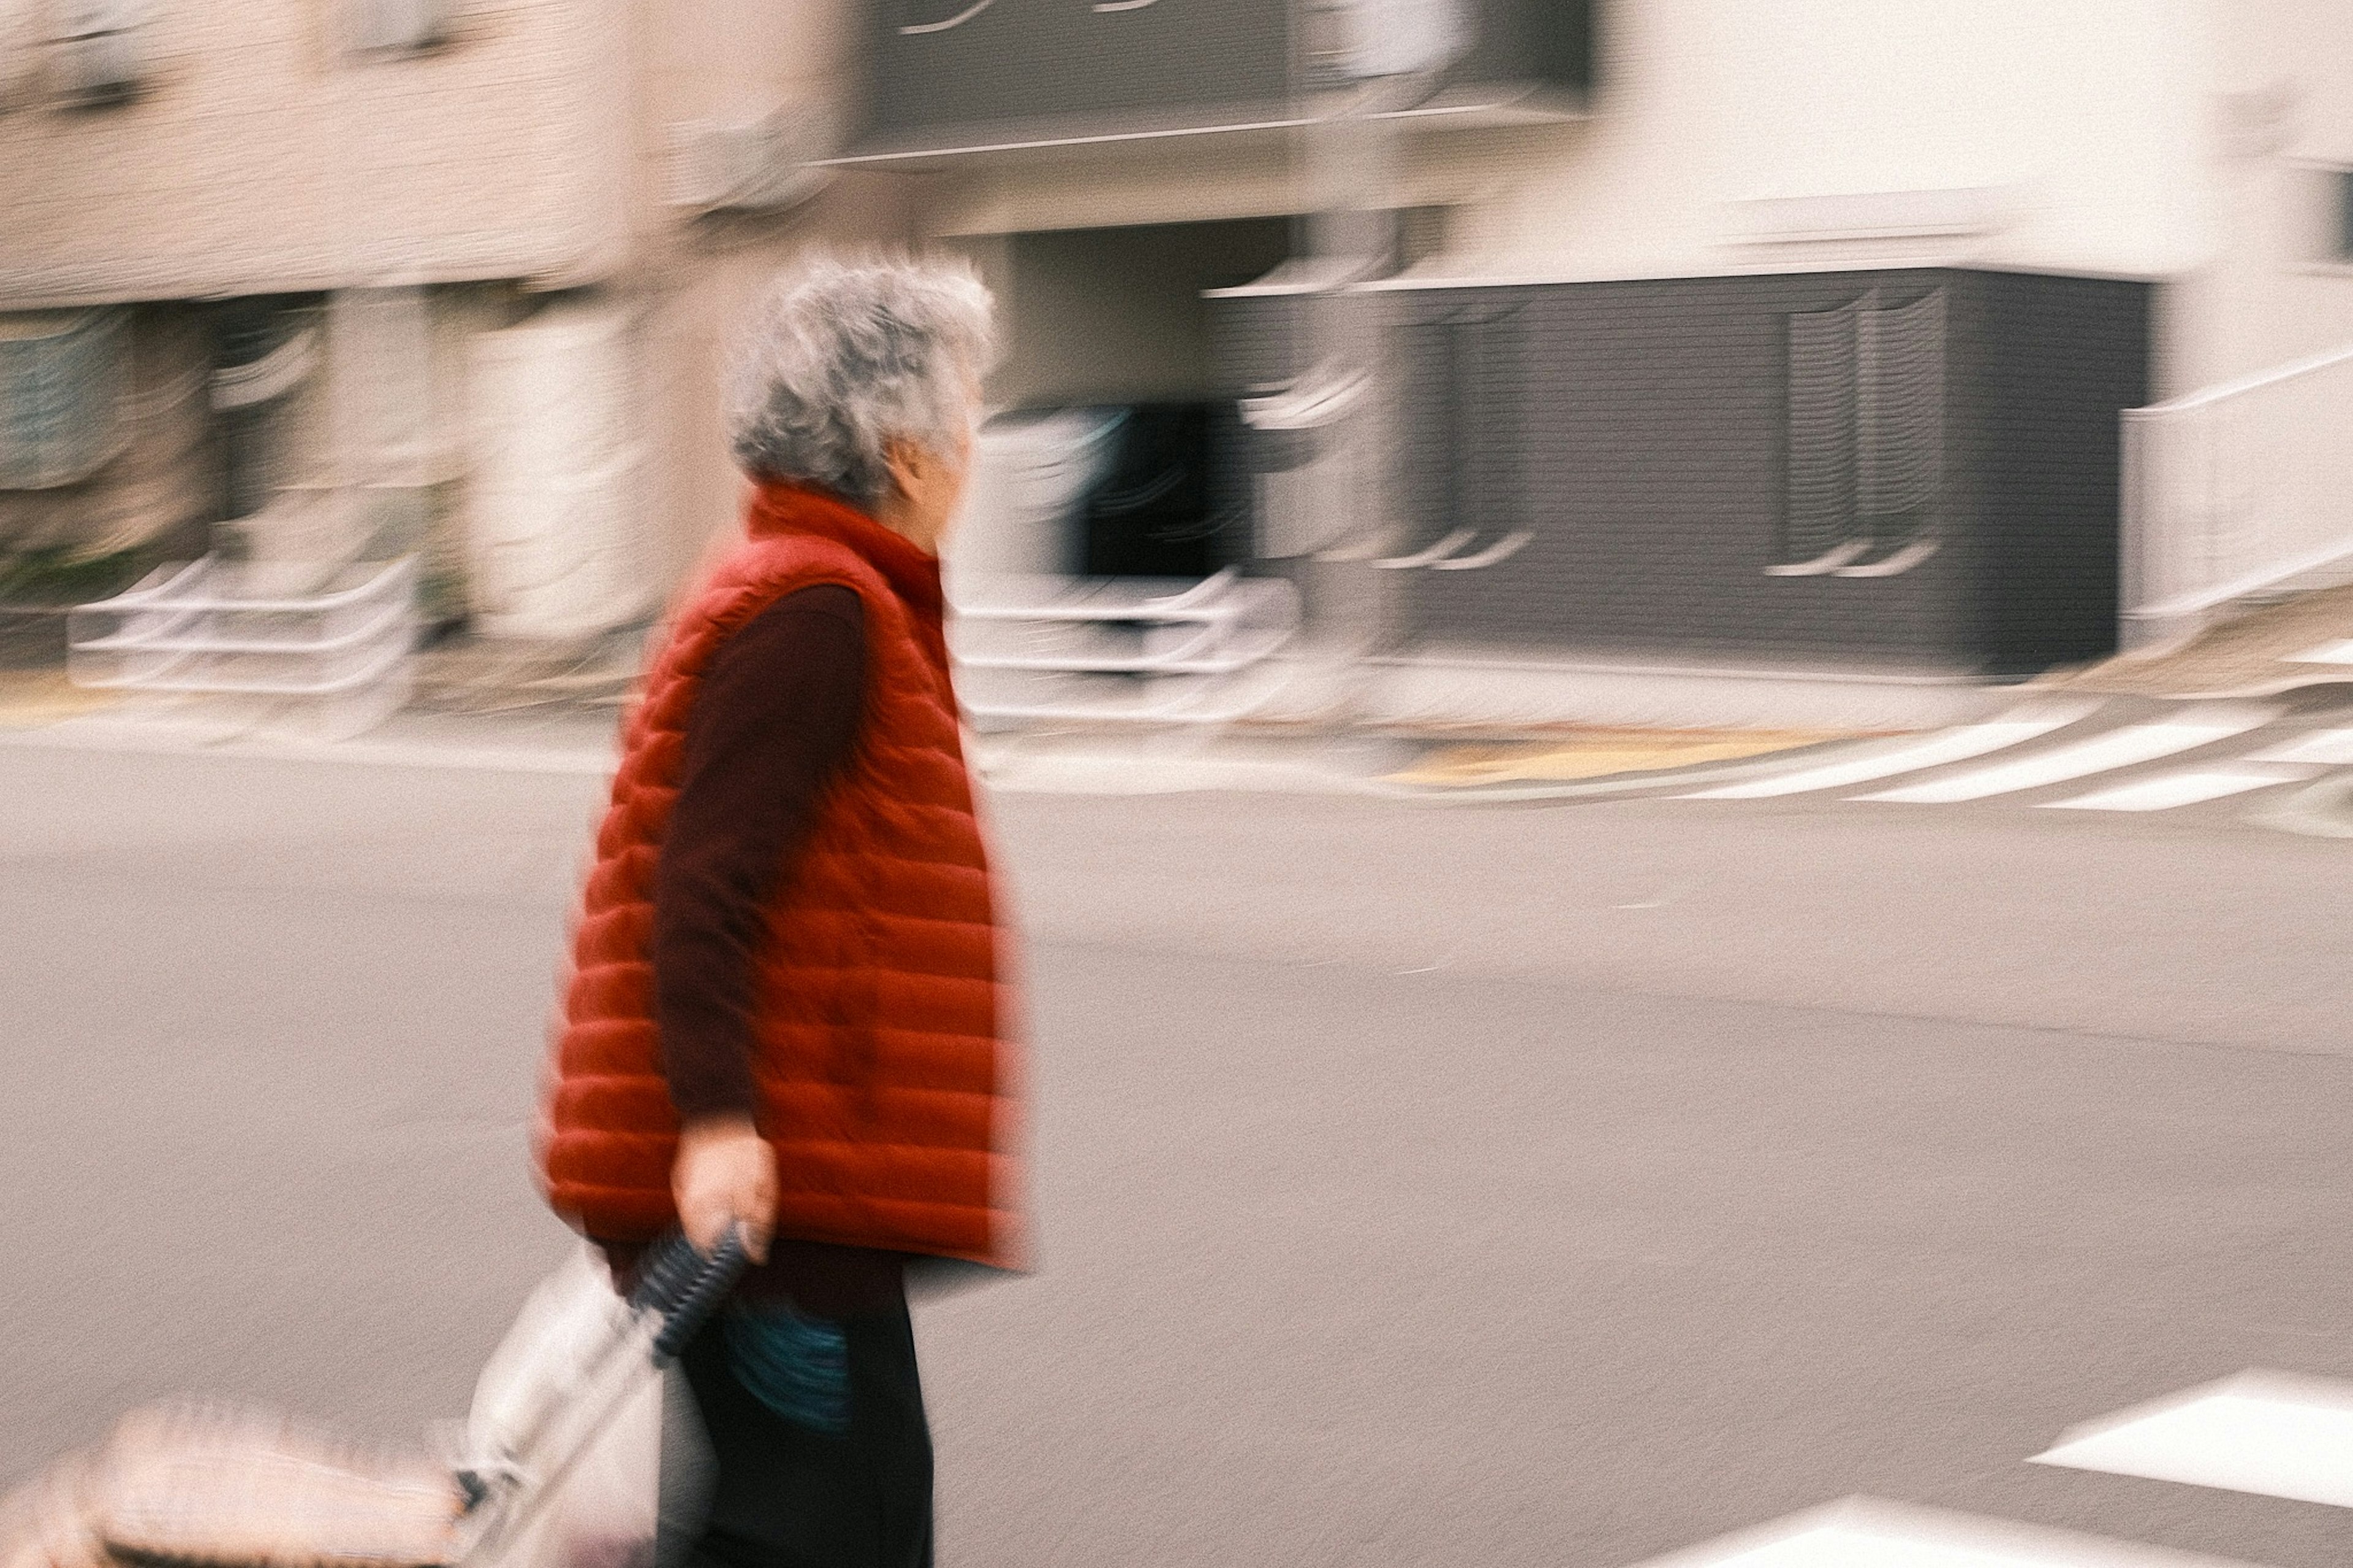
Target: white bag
556	1364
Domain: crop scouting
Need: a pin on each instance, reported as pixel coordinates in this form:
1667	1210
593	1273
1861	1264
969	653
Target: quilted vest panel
886	1085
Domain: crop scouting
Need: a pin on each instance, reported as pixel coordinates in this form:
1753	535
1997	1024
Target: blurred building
313	281
1759	335
1799	333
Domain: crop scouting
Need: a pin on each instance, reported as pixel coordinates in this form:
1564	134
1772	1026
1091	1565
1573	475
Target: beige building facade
1810	335
458	277
350	276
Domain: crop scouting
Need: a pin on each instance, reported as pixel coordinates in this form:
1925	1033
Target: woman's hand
725	1176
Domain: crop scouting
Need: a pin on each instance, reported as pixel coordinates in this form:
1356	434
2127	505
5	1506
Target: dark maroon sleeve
775	719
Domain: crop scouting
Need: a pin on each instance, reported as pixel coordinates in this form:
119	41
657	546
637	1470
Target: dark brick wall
1255	340
1639	430
2061	356
1042	68
1046	61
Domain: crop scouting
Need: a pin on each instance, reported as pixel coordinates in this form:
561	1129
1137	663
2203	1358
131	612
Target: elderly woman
785	1007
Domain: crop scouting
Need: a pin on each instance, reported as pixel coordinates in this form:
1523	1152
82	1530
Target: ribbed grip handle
701	1297
668	1267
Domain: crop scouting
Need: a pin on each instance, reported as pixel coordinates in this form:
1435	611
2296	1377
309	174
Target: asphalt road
1417	1186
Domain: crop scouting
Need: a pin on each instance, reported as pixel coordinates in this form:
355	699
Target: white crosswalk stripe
2096	754
1864	1533
2163	792
1952	746
2262	1432
2042	746
2123	757
2330	748
2265	1433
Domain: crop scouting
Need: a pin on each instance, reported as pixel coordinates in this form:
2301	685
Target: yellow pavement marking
30	699
1599	752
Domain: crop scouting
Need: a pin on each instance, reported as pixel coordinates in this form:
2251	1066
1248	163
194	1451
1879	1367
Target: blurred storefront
1797	336
302	284
1456	341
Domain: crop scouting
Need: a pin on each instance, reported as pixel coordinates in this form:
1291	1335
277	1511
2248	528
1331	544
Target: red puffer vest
885	1088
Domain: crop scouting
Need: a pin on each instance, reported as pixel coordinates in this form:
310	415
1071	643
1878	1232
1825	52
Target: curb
2322	810
1300	765
363	753
1247	776
2281	686
1297	767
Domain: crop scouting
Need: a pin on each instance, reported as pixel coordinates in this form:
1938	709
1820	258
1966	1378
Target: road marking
1954	746
2187	787
2331	748
582	761
2334	653
2116	749
2260	1432
1865	1533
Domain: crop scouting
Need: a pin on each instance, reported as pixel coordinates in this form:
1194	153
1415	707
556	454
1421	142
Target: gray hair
846	354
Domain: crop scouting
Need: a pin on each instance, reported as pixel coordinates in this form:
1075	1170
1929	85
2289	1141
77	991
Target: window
1866	437
395	27
63	375
95	52
2341	184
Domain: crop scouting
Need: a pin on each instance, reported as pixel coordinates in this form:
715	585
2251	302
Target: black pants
785	1495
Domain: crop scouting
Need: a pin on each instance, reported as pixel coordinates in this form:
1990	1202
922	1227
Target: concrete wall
260	157
694	278
533	147
694	300
2110	135
2173	139
2083	122
2282	123
1640	433
2079	119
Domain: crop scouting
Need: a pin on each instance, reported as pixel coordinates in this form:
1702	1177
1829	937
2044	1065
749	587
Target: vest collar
780	509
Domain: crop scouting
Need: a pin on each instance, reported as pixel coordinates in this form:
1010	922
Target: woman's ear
903	461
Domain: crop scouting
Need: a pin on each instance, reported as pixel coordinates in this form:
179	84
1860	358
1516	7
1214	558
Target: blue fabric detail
797	1366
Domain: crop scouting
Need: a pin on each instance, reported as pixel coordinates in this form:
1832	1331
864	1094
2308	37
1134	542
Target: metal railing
2239	489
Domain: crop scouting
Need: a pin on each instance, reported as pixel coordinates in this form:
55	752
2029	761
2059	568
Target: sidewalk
40	710
1458	725
579	741
2260	653
1601	752
450	726
35	699
1560	762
